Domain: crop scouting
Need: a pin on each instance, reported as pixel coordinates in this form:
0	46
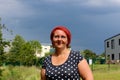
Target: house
112	49
6	49
45	49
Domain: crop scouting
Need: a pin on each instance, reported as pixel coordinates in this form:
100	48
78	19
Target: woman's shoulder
76	54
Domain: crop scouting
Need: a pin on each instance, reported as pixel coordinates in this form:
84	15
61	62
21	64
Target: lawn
20	73
106	72
100	72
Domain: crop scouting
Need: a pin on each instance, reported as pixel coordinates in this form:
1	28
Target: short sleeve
79	56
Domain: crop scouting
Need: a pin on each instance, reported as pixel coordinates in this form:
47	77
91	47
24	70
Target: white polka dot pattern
66	71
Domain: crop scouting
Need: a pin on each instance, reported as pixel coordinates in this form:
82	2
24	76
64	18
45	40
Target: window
45	48
113	56
112	44
119	41
107	44
119	56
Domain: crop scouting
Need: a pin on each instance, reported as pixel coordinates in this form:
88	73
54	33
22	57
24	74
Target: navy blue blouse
66	71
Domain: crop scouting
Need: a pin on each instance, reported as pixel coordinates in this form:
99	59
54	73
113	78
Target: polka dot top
66	71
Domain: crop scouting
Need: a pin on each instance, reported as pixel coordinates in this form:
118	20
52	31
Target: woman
64	63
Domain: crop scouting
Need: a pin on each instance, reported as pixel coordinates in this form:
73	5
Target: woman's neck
59	52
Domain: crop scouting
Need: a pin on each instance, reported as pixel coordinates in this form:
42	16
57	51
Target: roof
112	37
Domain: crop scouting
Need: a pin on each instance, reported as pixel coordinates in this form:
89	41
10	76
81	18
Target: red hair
63	28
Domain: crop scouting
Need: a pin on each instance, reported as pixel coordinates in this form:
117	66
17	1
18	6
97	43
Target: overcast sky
90	21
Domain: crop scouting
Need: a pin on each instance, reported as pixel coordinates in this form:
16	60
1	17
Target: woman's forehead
59	32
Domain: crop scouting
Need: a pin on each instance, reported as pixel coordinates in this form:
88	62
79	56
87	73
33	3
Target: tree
27	52
23	52
3	44
89	54
36	46
103	54
17	44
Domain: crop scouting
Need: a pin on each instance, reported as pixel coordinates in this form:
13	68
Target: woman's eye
63	36
59	36
56	36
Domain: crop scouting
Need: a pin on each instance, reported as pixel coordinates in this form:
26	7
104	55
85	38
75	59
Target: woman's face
60	39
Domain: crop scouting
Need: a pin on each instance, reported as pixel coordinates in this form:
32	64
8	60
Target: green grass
20	73
106	72
100	72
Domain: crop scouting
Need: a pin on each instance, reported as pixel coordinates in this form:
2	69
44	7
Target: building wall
112	48
45	49
6	49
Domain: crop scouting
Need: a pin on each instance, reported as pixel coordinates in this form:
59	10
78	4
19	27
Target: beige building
45	49
112	49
